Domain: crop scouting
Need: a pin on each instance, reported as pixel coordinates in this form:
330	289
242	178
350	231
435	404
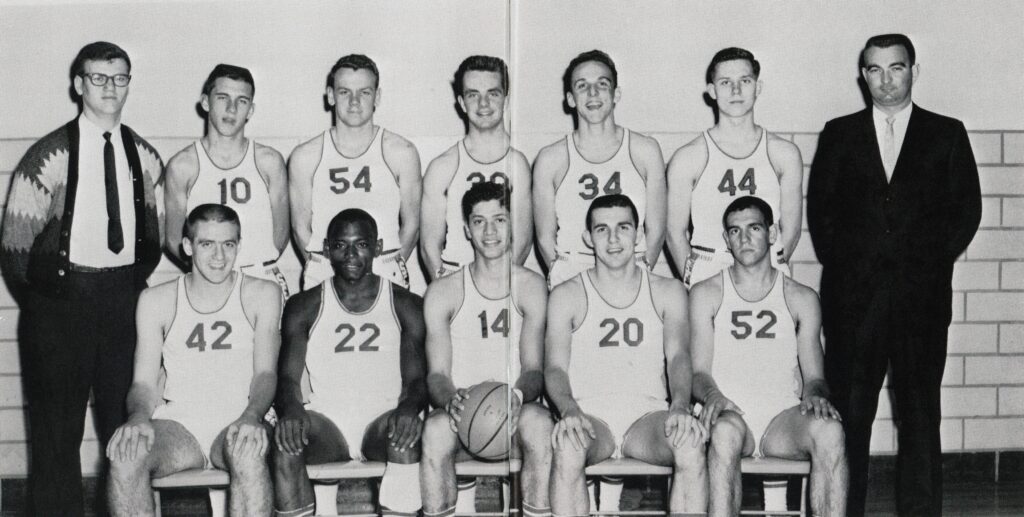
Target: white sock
611	494
466	502
400	489
775	495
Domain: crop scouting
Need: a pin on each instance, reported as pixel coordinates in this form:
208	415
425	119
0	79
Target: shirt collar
89	131
902	116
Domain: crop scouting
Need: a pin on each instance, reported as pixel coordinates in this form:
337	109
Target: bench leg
218	502
156	503
326	498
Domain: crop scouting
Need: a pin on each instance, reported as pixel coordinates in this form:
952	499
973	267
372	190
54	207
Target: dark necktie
115	237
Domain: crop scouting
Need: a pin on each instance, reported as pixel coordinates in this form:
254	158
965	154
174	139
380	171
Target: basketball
483	429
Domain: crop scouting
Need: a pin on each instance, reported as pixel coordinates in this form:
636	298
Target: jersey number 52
743	330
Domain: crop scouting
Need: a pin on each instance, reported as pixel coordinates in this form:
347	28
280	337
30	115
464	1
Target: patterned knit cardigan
35	245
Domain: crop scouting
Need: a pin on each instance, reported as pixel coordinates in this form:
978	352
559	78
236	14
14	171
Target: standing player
755	337
734	158
225	167
485	154
361	340
215	332
611	331
355	164
486	322
598	158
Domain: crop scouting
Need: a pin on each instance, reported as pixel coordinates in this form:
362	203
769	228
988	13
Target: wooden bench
216	481
753	466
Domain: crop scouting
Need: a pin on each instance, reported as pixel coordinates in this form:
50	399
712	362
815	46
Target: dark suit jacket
904	234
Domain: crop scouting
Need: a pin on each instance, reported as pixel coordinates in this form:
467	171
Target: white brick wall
983	384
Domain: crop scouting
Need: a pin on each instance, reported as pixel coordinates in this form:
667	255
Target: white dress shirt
899	129
89	221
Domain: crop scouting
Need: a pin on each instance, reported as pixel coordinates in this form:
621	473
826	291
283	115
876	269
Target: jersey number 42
197	339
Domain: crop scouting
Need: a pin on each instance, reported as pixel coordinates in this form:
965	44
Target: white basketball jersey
724	179
457	248
354	359
585	181
364	182
755	356
242	188
485	337
208	356
618	351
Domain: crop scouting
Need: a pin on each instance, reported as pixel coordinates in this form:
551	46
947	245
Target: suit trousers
887	335
69	346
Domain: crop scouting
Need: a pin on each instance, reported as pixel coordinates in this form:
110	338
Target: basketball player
215	332
734	158
484	154
355	164
755	336
486	322
361	340
598	158
225	167
611	331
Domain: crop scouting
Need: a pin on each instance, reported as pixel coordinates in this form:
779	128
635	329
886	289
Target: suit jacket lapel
912	142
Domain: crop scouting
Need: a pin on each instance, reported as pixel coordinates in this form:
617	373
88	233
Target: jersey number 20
341	184
728	183
348	332
197	339
632	332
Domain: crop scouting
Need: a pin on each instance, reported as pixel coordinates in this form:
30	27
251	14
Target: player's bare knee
727	434
827	438
688	456
437	439
566	457
404	457
128	469
286	465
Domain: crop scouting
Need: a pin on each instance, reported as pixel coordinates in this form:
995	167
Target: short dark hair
612	201
231	72
209	212
731	54
481	64
98	51
353	216
354	62
745	202
889	40
590	55
482	191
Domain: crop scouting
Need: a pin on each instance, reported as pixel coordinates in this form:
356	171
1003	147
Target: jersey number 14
747	183
498	326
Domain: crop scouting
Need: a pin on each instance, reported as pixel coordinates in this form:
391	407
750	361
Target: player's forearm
679	246
523	245
531	383
703	386
440	388
408	235
261	394
790	238
680	381
816	388
547	248
432	256
142	400
414	395
559	390
289	394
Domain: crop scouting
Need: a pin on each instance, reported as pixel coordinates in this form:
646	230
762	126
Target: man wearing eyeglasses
80	236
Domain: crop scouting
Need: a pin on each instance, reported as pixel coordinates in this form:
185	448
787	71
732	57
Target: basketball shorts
619	413
268	271
203	421
389	266
704	263
353	420
567	266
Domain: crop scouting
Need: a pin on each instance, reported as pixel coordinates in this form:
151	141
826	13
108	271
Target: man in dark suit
893	200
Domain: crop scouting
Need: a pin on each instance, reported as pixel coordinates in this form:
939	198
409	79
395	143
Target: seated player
611	331
484	154
755	334
486	322
216	332
361	340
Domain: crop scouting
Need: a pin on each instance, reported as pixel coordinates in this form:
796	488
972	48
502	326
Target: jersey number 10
238	190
